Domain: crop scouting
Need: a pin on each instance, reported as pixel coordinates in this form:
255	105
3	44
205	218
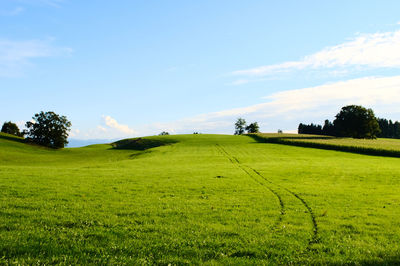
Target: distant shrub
164	133
11	128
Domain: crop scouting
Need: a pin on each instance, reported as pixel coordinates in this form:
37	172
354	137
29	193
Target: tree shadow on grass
261	138
141	144
12	138
390	260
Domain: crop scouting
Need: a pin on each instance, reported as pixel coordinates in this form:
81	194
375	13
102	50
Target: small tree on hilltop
48	129
253	128
357	122
11	128
240	126
164	133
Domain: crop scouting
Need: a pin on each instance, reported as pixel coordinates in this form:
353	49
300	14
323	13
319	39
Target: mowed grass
199	199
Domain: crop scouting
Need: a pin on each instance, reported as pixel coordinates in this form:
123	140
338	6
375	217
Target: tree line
46	129
354	121
389	129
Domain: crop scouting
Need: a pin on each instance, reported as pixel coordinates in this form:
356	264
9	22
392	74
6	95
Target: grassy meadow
197	199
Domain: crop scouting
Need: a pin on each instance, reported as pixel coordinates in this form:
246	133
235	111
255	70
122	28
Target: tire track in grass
235	161
315	236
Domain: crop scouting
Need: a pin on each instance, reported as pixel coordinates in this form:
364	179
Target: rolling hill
196	199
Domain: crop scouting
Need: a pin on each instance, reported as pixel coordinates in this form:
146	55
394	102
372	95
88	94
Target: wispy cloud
282	110
377	50
239	82
74	132
52	3
15	55
10	13
286	109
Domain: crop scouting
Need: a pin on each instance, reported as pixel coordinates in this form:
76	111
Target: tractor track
315	237
234	160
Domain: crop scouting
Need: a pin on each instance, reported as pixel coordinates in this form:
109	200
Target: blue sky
131	68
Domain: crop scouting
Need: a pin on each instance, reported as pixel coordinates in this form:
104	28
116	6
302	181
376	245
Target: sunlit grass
200	199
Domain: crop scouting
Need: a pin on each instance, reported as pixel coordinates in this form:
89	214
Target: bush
11	128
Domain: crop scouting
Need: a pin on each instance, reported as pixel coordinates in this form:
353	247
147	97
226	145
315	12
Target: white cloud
281	110
369	50
286	109
15	55
112	123
74	132
239	82
20	124
103	129
109	129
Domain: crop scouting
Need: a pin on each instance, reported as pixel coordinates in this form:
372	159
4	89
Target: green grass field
197	199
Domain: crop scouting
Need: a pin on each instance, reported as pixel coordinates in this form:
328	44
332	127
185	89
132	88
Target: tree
240	126
48	129
164	133
309	129
328	128
389	129
253	128
357	122
11	128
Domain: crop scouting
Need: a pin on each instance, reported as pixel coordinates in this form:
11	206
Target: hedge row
328	146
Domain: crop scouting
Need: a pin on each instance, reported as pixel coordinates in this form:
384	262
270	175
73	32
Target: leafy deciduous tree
48	129
240	126
357	122
253	128
309	129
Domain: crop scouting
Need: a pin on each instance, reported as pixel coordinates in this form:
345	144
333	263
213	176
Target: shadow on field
12	138
259	138
390	260
141	144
